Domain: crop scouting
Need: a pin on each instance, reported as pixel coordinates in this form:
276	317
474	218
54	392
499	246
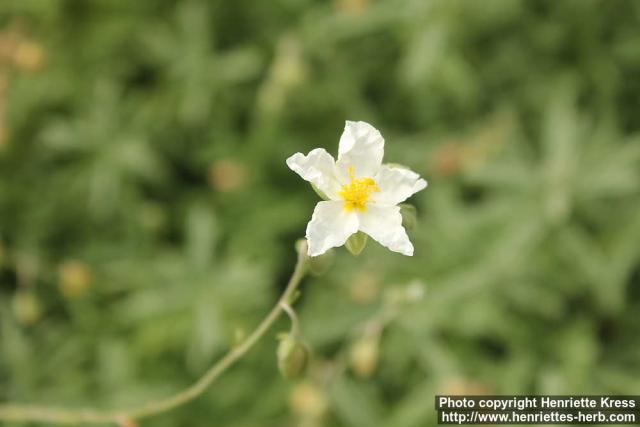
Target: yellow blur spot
356	194
74	278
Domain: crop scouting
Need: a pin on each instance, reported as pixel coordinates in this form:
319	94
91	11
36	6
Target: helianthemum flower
363	194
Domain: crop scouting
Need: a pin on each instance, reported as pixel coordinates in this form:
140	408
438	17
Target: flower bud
318	265
74	278
409	216
227	175
308	401
356	243
26	307
363	356
292	357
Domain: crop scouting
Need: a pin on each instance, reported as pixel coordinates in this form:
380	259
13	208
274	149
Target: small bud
74	278
26	307
363	356
409	216
356	243
308	401
292	356
318	265
227	175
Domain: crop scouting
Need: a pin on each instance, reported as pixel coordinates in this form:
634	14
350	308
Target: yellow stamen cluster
356	193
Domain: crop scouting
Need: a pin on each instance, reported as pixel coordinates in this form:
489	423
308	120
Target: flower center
357	192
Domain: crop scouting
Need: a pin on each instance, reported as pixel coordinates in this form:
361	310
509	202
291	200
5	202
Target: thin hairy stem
17	412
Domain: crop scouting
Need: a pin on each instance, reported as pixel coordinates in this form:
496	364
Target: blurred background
147	217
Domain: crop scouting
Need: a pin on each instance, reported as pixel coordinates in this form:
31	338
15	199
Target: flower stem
18	412
295	324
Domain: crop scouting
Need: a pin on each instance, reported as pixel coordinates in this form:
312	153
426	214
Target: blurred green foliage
147	218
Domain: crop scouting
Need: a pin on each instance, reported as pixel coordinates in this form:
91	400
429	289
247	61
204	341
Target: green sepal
319	192
409	216
293	356
356	243
318	265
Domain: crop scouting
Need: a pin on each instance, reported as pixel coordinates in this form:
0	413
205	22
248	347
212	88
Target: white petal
318	167
361	148
396	185
384	224
330	226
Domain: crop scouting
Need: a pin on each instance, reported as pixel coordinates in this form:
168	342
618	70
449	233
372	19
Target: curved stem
11	412
295	324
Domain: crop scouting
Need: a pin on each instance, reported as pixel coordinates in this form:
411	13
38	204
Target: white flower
363	193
